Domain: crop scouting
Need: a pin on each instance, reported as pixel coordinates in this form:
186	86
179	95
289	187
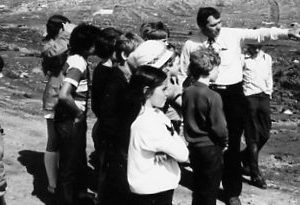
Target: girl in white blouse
154	148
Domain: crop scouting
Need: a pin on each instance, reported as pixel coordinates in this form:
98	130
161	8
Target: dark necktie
210	41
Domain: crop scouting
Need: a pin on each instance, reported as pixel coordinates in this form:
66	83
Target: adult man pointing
227	42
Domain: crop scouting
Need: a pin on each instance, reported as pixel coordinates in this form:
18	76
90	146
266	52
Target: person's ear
124	56
146	90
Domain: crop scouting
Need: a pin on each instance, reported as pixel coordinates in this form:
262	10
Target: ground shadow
34	163
187	181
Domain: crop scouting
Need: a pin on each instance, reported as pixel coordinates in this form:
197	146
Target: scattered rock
274	132
27	95
24	75
12	74
37	70
283	130
287	112
103	12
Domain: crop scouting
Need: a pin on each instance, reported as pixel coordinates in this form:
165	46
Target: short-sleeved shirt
76	74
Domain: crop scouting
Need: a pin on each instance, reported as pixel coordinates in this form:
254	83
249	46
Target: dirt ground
21	28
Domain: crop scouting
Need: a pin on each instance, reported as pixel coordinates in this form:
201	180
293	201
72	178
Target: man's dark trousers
257	129
234	109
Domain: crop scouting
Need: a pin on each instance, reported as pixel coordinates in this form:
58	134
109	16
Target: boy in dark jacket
204	127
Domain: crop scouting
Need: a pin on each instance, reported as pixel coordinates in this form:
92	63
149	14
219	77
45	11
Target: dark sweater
204	120
108	88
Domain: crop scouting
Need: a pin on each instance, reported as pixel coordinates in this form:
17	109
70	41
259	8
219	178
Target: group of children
139	101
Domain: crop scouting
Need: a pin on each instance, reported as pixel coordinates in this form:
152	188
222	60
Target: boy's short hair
126	43
154	31
82	38
204	13
105	44
202	62
54	24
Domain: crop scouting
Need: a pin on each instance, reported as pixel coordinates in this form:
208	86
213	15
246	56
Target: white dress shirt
228	45
257	74
150	133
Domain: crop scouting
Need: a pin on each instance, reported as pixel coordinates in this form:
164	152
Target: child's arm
154	137
57	46
219	131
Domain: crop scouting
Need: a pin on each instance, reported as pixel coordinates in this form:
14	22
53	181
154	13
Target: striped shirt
76	74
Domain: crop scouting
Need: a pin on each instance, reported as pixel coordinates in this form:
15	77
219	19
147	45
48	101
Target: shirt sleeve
185	59
262	34
155	137
57	46
217	119
75	70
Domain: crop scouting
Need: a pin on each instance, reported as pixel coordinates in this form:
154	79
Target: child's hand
160	157
68	27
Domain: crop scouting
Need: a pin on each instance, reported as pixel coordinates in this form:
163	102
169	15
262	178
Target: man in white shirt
227	42
258	87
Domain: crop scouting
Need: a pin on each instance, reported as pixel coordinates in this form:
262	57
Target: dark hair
105	43
202	62
126	43
204	13
82	38
54	24
154	31
144	76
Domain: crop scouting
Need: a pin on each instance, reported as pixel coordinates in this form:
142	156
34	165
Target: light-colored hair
202	62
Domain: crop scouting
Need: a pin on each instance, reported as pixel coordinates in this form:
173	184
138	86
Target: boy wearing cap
205	127
258	87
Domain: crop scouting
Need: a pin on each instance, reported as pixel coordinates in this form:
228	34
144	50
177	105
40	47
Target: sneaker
259	182
234	201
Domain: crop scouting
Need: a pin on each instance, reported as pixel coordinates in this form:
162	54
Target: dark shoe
259	182
246	170
234	201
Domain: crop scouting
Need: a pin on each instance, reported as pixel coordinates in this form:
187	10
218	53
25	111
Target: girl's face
172	66
159	96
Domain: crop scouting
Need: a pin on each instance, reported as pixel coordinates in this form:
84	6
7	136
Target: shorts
52	141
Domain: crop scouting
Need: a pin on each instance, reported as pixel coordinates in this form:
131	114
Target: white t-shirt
152	132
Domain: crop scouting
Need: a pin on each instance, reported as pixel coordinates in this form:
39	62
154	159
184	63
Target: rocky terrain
22	24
